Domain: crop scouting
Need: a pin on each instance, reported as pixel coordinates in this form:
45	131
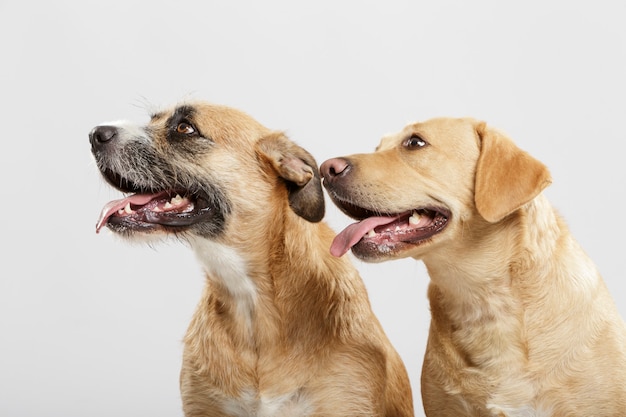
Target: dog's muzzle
377	232
153	205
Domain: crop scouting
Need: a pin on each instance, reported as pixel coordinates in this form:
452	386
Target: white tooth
176	200
371	233
167	205
415	218
127	209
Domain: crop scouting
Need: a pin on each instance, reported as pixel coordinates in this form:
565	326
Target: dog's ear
506	176
299	171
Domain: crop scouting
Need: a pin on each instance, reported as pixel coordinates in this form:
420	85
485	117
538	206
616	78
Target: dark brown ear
299	170
506	176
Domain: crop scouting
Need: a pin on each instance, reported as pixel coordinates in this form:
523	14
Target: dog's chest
250	404
226	265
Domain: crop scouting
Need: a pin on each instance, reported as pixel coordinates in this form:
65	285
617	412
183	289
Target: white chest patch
524	411
223	263
287	405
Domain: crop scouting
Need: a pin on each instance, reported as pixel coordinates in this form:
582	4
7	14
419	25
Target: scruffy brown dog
522	323
282	328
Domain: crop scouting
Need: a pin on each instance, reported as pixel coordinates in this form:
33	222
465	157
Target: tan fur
282	328
522	323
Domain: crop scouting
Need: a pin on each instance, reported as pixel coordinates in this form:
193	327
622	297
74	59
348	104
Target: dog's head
424	184
204	170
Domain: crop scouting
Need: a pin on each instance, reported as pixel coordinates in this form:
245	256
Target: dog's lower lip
145	211
387	241
401	229
176	219
386	233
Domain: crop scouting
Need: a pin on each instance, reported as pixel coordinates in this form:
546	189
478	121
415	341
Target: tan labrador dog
522	323
282	328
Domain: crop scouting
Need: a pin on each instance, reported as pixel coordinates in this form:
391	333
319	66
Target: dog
282	327
522	324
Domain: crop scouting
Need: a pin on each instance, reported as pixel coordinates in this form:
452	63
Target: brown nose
333	169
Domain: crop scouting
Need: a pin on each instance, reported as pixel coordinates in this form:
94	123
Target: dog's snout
100	135
334	168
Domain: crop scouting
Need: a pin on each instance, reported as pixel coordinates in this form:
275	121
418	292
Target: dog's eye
185	128
414	142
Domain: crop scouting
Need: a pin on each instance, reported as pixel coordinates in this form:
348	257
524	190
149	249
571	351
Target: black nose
100	135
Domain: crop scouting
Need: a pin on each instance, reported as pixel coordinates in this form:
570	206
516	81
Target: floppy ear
299	170
506	176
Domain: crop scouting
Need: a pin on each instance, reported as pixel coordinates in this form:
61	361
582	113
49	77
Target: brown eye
185	128
414	142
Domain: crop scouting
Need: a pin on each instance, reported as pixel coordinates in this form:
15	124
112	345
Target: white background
92	326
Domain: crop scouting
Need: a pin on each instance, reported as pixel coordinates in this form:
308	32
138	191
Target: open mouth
148	209
386	233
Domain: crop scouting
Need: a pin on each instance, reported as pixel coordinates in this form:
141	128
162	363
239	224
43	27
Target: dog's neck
486	258
491	293
477	284
495	284
282	279
227	269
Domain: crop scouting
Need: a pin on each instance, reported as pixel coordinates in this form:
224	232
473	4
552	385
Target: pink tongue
116	205
353	233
